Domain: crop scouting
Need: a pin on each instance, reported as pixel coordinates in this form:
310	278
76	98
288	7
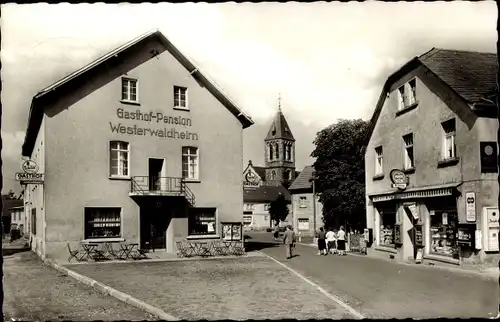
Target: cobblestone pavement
381	289
35	292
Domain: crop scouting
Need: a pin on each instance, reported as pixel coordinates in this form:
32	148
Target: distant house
257	201
303	200
18	219
7	205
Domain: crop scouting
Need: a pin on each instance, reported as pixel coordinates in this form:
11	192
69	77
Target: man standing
289	241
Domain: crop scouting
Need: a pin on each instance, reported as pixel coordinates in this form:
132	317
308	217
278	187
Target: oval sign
30	166
398	176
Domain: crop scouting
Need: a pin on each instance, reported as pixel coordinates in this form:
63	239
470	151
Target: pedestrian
330	239
276	233
341	241
321	241
289	241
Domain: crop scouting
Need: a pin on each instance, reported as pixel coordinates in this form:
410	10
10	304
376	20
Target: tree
340	172
9	195
278	209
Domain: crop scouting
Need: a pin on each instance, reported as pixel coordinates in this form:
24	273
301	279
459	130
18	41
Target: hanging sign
30	173
470	206
399	179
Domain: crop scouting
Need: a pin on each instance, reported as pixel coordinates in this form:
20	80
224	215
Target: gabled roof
36	114
279	128
471	75
265	194
303	180
261	171
8	204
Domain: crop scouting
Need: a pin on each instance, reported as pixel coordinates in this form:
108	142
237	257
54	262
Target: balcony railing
161	186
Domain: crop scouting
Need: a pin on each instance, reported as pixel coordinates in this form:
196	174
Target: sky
328	60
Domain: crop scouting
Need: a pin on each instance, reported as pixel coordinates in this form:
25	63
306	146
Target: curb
482	274
113	292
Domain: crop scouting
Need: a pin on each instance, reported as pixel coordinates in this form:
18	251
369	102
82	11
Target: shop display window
443	232
102	223
387	225
202	221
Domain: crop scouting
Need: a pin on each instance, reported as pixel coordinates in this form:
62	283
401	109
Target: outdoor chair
141	254
182	251
111	251
238	249
219	249
73	254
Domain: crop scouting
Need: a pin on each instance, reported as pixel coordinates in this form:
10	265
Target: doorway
157	174
154	223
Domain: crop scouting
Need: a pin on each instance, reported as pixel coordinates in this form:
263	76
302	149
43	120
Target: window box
406	109
448	162
409	170
378	177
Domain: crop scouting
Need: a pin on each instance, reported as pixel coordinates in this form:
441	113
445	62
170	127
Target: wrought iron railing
168	186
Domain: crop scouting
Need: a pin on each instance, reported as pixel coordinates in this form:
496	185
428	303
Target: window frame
379	160
129	93
86	223
302	202
412	93
119	174
196	212
401	97
406	156
197	168
303	220
449	135
178	99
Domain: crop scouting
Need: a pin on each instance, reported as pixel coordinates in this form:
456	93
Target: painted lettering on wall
155	118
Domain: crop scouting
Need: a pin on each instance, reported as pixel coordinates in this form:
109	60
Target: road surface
382	289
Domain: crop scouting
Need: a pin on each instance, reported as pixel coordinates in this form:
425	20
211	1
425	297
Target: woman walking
341	241
321	242
330	241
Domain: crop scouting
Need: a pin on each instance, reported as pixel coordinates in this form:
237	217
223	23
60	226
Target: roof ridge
464	51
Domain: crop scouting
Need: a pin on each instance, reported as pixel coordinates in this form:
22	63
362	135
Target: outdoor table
201	248
89	249
127	249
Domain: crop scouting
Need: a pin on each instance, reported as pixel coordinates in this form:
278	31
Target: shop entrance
154	221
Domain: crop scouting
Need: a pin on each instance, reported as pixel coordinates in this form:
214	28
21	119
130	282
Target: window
273	175
443	233
247	220
271	152
303	224
33	221
266	207
413	91
302	202
102	223
449	147
119	159
129	90
277	148
202	221
249	207
379	161
190	166
180	97
387	227
401	98
408	155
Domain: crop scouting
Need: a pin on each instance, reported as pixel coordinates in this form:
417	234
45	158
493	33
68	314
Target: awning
442	190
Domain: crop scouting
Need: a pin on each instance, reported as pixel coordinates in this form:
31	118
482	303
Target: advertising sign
470	206
399	179
251	180
231	231
30	173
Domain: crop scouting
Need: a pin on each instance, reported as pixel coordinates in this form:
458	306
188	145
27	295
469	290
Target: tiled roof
303	180
471	74
279	128
8	204
265	194
261	171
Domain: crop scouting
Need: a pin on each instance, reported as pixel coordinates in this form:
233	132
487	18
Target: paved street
35	292
381	289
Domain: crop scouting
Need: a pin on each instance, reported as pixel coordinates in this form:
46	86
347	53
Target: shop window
379	162
102	222
443	230
130	90
409	162
449	147
302	202
303	224
180	97
190	164
119	155
387	228
202	221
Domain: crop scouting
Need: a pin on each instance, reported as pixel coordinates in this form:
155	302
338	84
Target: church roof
265	193
279	128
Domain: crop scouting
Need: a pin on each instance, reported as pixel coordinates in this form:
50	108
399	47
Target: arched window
273	175
271	152
277	151
288	175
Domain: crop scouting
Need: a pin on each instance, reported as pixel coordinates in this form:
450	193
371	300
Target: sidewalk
35	292
490	272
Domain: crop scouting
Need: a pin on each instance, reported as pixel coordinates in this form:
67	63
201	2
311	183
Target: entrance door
156	174
154	224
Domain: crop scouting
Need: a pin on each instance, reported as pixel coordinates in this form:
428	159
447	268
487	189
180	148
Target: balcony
161	186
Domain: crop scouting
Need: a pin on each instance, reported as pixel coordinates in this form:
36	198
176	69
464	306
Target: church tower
280	151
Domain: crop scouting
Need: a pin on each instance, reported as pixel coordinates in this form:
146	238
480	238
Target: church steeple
280	150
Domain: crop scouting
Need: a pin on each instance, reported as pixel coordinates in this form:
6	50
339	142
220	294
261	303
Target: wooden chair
111	251
238	248
219	249
141	254
73	254
181	250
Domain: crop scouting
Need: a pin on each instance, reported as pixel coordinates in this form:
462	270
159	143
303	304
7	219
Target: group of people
331	242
